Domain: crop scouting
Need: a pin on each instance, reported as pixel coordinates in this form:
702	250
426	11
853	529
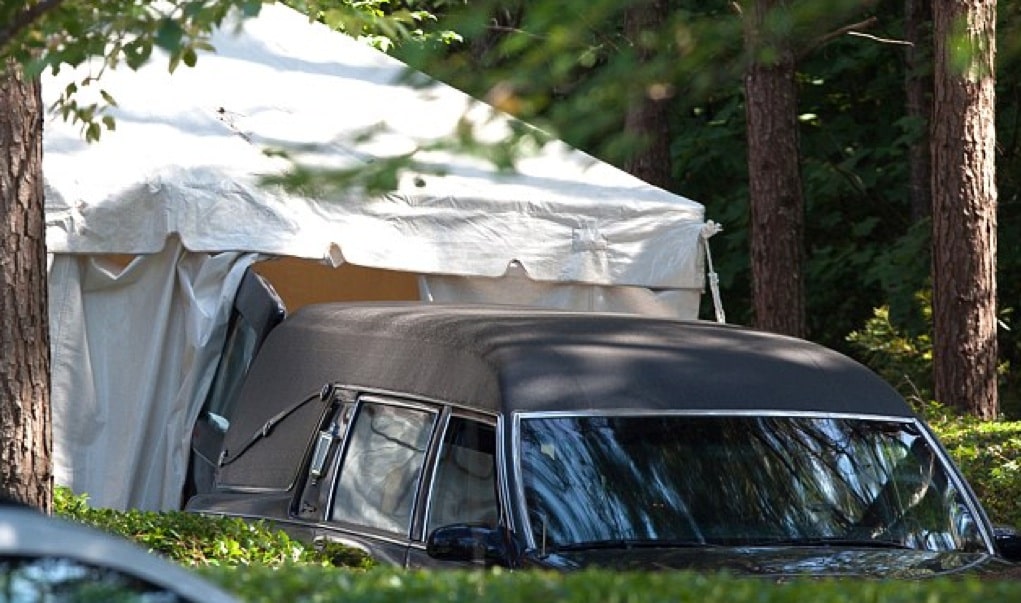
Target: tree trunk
25	431
918	89
964	206
774	177
647	115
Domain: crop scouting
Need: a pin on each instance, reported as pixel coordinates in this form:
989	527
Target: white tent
177	186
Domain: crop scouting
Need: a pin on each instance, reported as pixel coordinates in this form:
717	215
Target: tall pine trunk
647	112
774	177
25	430
964	206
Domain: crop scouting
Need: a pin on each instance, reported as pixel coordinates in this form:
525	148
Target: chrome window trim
441	434
402	402
949	467
333	471
252	490
503	467
640	412
354	531
484	418
389	394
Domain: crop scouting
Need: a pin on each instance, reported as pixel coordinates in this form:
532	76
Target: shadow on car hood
785	561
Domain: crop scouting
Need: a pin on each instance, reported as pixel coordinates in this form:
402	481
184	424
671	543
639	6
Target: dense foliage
258	584
989	455
192	539
569	67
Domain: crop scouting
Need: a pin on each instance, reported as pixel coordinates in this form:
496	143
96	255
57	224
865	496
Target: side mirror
468	543
1008	543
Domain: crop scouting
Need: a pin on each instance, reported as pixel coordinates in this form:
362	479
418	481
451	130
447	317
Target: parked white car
45	558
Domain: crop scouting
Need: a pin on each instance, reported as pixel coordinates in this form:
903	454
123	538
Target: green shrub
308	584
198	540
989	455
903	360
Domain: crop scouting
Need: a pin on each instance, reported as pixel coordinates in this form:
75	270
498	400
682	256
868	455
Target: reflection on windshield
738	481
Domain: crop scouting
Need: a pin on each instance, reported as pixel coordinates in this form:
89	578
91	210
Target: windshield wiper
830	541
625	544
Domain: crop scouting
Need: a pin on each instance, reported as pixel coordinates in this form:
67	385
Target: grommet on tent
709	229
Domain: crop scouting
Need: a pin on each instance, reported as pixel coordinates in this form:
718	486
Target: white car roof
25	532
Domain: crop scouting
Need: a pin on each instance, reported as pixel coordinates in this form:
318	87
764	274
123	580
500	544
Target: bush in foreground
197	540
386	585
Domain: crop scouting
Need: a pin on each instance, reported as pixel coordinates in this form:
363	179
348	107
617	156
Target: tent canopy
189	149
178	185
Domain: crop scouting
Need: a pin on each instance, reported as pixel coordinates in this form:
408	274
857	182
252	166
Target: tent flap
134	352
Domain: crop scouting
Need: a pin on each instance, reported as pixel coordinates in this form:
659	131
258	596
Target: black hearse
440	435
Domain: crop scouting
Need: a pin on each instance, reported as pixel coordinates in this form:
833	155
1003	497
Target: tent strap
709	229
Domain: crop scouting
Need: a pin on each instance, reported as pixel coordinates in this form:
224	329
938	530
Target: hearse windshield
695	480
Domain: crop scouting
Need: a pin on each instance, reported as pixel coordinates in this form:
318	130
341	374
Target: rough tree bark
964	206
774	177
25	436
647	113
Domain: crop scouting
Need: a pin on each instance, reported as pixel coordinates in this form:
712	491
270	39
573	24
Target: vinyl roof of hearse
506	359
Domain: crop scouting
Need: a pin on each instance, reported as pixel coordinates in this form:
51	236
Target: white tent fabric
518	289
179	181
189	148
135	352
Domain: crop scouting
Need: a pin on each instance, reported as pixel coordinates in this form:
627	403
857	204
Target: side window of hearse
464	489
382	466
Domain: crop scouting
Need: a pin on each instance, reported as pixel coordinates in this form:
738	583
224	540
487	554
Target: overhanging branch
26	18
826	38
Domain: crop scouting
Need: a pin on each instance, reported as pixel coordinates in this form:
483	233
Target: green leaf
108	98
189	57
169	34
92	132
251	8
137	52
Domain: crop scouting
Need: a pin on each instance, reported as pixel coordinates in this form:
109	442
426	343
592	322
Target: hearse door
462	489
378	476
257	310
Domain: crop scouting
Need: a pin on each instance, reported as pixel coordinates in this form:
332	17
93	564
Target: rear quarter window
382	467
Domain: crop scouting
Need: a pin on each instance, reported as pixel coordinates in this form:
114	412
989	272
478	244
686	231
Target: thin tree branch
25	18
824	39
880	40
514	30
